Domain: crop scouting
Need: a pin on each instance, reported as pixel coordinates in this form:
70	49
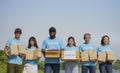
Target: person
14	63
107	66
31	66
52	42
86	47
71	66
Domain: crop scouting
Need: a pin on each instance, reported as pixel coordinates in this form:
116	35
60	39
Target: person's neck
32	46
17	38
87	42
71	45
52	37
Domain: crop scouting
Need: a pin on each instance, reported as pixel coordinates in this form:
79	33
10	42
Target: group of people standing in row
14	64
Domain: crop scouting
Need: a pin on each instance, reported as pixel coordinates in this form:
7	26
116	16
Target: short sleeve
80	49
61	45
44	46
8	43
98	51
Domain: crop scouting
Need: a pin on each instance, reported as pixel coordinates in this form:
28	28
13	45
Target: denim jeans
91	69
49	68
105	68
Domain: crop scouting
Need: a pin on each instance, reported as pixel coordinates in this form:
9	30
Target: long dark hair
72	39
35	42
102	40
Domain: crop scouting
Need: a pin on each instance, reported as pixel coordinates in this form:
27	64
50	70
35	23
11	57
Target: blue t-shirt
14	59
86	48
104	49
32	62
55	43
68	48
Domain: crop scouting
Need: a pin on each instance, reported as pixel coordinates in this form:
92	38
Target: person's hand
93	60
9	55
22	55
111	61
100	62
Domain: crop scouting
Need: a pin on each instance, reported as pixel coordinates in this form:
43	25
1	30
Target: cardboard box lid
37	54
110	55
102	56
13	50
29	55
21	49
93	55
84	56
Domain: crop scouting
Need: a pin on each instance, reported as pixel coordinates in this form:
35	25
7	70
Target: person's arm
6	51
43	48
61	47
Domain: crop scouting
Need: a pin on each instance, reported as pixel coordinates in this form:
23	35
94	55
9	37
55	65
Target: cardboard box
52	53
36	54
21	49
110	56
70	55
92	55
84	57
102	57
14	50
29	55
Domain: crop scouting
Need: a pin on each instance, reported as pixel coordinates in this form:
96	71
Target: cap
18	30
52	29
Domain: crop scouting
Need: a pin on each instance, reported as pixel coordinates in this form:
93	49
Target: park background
70	17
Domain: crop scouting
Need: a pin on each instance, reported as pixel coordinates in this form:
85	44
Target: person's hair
87	34
35	42
18	30
72	39
102	40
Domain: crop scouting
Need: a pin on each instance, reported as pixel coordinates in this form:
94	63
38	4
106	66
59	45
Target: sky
69	17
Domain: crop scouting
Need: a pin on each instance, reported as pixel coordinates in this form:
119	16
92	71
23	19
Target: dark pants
52	67
14	68
105	68
91	69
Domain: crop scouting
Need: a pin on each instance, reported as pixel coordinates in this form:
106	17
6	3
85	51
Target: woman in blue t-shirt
31	66
71	66
107	66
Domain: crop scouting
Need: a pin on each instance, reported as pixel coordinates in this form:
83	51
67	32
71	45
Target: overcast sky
70	17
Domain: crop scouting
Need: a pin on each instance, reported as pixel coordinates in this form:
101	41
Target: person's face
52	34
32	42
17	35
71	42
87	39
106	40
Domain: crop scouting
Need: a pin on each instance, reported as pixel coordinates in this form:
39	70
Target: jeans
71	67
14	68
52	67
105	68
91	69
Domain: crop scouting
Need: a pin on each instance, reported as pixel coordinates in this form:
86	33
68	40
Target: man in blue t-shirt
14	61
52	42
86	47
